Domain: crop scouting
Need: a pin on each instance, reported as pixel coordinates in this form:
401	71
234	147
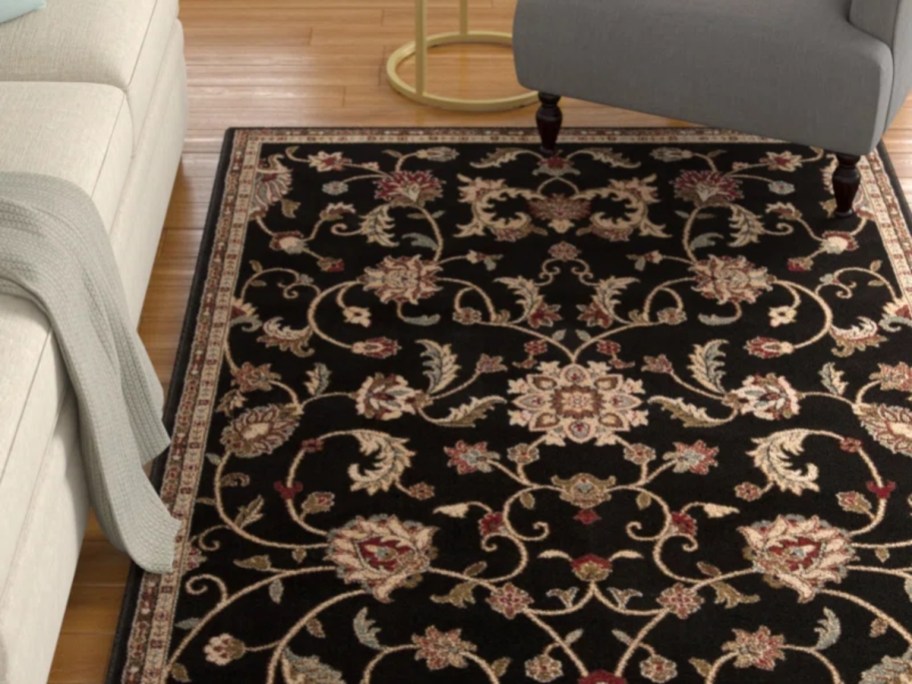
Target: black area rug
450	411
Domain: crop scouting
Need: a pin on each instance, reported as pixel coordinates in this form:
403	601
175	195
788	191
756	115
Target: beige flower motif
544	668
770	397
578	403
385	397
728	279
584	490
760	649
782	315
801	553
442	649
223	649
509	600
328	161
891	426
658	669
402	279
260	430
781	161
382	553
890	670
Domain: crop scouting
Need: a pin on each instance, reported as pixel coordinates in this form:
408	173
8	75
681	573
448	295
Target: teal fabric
10	9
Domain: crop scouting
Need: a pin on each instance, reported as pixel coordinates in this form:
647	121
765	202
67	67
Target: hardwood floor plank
300	63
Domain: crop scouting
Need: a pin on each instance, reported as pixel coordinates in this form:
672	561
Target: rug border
118	656
117	659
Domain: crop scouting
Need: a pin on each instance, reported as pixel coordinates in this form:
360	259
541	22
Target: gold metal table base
419	48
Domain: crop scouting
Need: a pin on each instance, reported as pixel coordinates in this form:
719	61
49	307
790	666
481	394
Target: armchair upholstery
890	21
827	73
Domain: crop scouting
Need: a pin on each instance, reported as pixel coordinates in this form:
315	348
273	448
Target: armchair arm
890	21
883	19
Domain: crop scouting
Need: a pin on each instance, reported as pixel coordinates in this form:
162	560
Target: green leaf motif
366	631
440	364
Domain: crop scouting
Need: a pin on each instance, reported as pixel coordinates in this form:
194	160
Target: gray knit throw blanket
54	251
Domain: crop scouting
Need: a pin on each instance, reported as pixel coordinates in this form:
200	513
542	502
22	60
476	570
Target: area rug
448	410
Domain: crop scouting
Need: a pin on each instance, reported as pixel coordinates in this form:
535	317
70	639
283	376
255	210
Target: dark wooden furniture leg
846	180
549	119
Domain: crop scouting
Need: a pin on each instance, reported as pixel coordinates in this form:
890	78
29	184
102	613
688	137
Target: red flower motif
608	347
509	600
680	600
470	458
555	163
489	364
421	491
535	347
560	211
591	568
657	364
312	446
408	188
728	279
544	316
748	491
594	316
328	265
696	458
682	523
851	445
287	493
898	377
563	251
601	677
768	348
707	188
491	523
376	348
881	492
800	264
587	516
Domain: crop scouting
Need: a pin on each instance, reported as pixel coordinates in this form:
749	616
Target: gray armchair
827	73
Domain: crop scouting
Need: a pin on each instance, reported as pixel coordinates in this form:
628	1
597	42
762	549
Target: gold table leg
419	48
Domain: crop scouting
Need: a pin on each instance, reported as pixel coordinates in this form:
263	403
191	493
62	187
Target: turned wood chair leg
549	118
846	180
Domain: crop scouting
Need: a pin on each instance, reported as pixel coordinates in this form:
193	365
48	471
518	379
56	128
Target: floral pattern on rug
454	410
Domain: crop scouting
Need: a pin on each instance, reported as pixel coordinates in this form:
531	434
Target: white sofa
92	91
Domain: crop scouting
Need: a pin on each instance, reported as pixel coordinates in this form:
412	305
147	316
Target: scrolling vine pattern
492	416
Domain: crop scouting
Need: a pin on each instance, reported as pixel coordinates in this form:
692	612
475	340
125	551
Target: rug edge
118	656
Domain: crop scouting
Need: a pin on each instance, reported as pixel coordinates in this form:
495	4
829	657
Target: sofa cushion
114	42
80	132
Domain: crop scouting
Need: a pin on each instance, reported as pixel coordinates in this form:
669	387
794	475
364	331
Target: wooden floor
298	63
